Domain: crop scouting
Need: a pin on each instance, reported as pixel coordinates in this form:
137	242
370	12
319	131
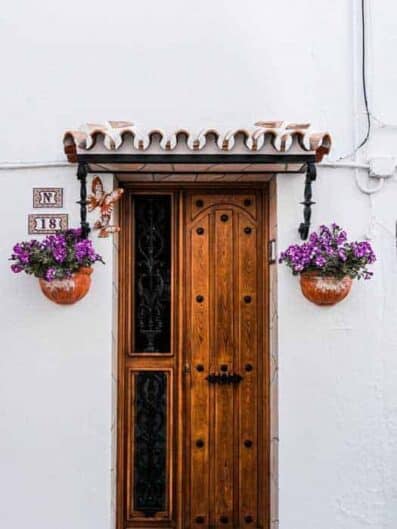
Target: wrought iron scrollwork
150	442
307	202
152	274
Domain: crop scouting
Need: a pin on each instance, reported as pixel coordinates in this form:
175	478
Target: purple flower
21	253
320	261
341	238
34	244
56	244
59	251
329	252
50	274
325	233
24	257
57	255
363	250
17	249
16	268
313	238
84	250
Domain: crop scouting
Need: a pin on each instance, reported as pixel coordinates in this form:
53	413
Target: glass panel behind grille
152	274
150	442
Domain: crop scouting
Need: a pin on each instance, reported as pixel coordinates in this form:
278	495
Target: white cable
4	166
356	166
368	190
344	165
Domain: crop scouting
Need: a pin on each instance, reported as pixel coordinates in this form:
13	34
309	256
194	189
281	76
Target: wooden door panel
247	201
192	447
228	469
222	359
148	371
199	396
248	366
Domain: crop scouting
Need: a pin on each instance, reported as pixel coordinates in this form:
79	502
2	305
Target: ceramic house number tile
47	197
45	223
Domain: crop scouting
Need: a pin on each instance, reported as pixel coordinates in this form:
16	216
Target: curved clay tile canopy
264	137
248	154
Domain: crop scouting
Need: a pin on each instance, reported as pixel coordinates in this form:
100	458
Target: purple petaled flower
50	274
56	244
16	268
313	238
363	249
328	252
85	250
57	256
24	257
320	261
325	233
18	248
341	238
59	251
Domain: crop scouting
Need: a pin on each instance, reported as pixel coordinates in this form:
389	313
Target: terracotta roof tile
269	136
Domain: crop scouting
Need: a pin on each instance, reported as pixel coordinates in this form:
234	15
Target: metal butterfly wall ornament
105	202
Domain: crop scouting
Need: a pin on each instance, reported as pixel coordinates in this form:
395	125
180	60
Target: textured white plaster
336	367
55	381
199	63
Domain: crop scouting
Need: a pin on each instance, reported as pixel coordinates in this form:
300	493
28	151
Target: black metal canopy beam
197	158
307	161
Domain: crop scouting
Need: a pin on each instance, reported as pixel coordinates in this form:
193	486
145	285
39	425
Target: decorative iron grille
152	274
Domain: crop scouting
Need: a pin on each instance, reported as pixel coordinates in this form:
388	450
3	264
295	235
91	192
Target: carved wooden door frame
174	364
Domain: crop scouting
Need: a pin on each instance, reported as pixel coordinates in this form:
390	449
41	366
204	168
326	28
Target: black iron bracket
82	171
307	203
224	378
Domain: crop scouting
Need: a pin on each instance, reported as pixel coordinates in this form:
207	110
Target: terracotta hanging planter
327	264
68	290
324	290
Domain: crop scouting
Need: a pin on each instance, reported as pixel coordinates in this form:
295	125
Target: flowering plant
56	257
329	253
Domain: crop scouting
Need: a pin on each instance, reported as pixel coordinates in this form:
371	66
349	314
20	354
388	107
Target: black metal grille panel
152	274
150	442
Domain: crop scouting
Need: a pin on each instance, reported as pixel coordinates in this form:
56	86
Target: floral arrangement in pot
328	263
62	263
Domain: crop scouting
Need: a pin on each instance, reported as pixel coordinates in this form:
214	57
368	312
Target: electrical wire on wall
364	85
369	115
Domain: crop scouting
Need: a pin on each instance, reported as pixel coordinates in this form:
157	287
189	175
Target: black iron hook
82	171
304	227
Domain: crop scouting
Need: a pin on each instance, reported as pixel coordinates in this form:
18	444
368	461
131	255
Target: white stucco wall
338	368
188	63
55	389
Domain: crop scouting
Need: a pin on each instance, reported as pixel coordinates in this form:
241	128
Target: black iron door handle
224	378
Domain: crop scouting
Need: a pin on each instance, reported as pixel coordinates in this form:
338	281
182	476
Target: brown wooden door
193	450
224	304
